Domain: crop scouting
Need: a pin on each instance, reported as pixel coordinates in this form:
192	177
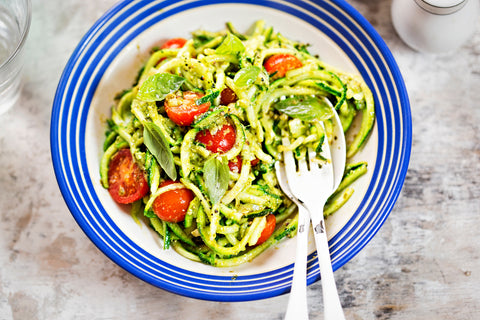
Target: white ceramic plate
107	60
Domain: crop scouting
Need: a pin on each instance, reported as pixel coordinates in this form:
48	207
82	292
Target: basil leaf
216	176
160	148
306	108
156	87
230	45
246	76
149	214
208	98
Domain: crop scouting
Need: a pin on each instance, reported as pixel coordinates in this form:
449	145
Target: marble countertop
424	263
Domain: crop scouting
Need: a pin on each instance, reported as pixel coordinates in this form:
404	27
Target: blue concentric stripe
125	22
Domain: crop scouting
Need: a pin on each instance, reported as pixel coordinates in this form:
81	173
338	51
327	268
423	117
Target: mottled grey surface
423	264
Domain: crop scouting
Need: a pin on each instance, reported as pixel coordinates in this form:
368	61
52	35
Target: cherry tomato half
278	64
126	180
174	43
220	141
182	109
254	162
268	230
171	206
227	96
235	164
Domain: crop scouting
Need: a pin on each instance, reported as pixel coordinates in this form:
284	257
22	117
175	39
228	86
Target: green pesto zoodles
192	144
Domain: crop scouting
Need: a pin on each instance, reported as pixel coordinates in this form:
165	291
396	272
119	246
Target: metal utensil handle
332	306
297	308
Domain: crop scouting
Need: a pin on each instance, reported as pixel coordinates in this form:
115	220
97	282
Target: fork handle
332	306
297	308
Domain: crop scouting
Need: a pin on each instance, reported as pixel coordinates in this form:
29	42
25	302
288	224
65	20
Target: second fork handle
297	308
331	301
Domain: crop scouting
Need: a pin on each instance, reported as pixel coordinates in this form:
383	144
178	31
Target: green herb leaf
231	45
208	98
149	214
216	176
246	76
156	87
159	147
306	108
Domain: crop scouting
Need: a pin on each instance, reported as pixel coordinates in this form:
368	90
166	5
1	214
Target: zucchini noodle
223	223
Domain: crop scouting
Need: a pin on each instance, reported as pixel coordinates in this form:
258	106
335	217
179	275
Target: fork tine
302	165
322	174
326	153
288	157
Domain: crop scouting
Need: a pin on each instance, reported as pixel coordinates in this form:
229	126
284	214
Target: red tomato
126	180
269	228
235	164
278	64
174	43
182	109
227	96
171	206
254	162
219	141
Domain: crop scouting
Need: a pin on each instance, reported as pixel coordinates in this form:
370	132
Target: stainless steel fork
312	184
297	308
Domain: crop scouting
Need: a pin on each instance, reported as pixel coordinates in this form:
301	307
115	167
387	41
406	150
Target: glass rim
23	37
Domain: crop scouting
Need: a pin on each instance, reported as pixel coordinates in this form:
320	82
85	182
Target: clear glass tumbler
15	16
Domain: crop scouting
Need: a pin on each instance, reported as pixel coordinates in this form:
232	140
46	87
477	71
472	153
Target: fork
312	184
297	303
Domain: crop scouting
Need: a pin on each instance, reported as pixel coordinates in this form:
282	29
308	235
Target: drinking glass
15	16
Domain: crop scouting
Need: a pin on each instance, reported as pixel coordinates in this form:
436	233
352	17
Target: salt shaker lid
441	6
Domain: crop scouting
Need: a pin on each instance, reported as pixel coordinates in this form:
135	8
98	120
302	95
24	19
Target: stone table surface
424	263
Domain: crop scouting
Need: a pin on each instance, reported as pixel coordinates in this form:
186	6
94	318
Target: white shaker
435	26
